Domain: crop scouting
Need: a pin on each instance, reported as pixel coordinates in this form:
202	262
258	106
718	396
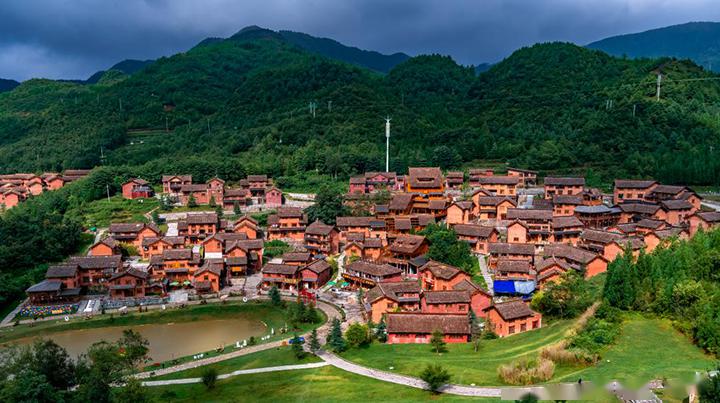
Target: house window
535	324
511	329
523	327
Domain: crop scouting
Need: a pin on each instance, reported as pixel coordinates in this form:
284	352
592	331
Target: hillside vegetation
242	105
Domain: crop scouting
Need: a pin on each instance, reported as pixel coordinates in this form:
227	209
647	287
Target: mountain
697	41
258	103
127	66
7	85
336	50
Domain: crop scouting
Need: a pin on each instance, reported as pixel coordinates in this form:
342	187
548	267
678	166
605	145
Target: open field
465	365
326	384
646	349
101	213
261	359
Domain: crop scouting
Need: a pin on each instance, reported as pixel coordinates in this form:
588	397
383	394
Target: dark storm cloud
74	38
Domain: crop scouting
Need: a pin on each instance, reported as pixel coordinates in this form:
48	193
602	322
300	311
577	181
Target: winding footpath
327	357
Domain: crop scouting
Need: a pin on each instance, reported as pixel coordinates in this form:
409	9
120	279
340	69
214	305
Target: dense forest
244	105
681	282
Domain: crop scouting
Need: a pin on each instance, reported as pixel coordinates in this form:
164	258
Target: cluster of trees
680	281
44	372
566	298
445	247
241	105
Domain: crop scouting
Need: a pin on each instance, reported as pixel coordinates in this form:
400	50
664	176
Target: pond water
168	340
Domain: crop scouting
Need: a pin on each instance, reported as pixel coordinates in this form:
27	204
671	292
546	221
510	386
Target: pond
167	340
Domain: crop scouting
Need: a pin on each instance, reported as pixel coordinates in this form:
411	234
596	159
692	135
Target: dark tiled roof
566	222
514	309
392	289
61	271
709	216
427	323
400	201
274	268
319	228
474	230
296	257
569	252
567	199
202	218
407	244
633	184
498	180
425	177
45	286
678	204
641	208
529	214
353	221
527	249
441	270
564	181
598	236
97	262
446	297
318	266
514	266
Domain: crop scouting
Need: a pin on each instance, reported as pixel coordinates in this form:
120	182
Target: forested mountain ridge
7	85
244	104
698	41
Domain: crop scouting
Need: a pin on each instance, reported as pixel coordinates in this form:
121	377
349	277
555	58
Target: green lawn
646	349
465	365
101	213
260	359
326	384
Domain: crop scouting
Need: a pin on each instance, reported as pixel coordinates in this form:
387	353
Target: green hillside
242	104
7	85
698	41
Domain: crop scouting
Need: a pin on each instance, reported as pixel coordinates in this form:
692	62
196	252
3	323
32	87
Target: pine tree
156	217
475	333
191	201
219	211
297	348
438	341
314	341
236	208
275	298
335	339
212	202
381	331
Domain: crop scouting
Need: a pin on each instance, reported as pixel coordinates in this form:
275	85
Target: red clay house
398	296
136	189
563	186
512	317
416	327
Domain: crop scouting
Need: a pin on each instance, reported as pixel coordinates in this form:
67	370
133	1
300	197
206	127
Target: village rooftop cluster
525	232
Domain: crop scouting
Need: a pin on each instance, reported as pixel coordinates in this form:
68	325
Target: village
525	232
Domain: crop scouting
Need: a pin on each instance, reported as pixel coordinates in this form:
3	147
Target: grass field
260	359
646	349
465	365
326	384
101	213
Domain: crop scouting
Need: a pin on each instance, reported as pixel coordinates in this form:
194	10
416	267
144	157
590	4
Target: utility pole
313	107
102	156
167	128
329	106
659	80
634	108
387	144
107	188
120	103
208	123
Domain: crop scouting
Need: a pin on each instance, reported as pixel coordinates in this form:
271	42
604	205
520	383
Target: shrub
527	372
209	377
435	376
357	335
559	354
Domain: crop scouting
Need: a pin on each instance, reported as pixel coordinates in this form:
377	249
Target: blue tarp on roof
504	287
513	287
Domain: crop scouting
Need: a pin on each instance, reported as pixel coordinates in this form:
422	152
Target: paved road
485	273
405	380
184	381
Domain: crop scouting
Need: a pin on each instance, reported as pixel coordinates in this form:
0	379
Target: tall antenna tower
387	144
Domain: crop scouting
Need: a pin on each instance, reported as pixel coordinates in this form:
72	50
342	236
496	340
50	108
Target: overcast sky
75	38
